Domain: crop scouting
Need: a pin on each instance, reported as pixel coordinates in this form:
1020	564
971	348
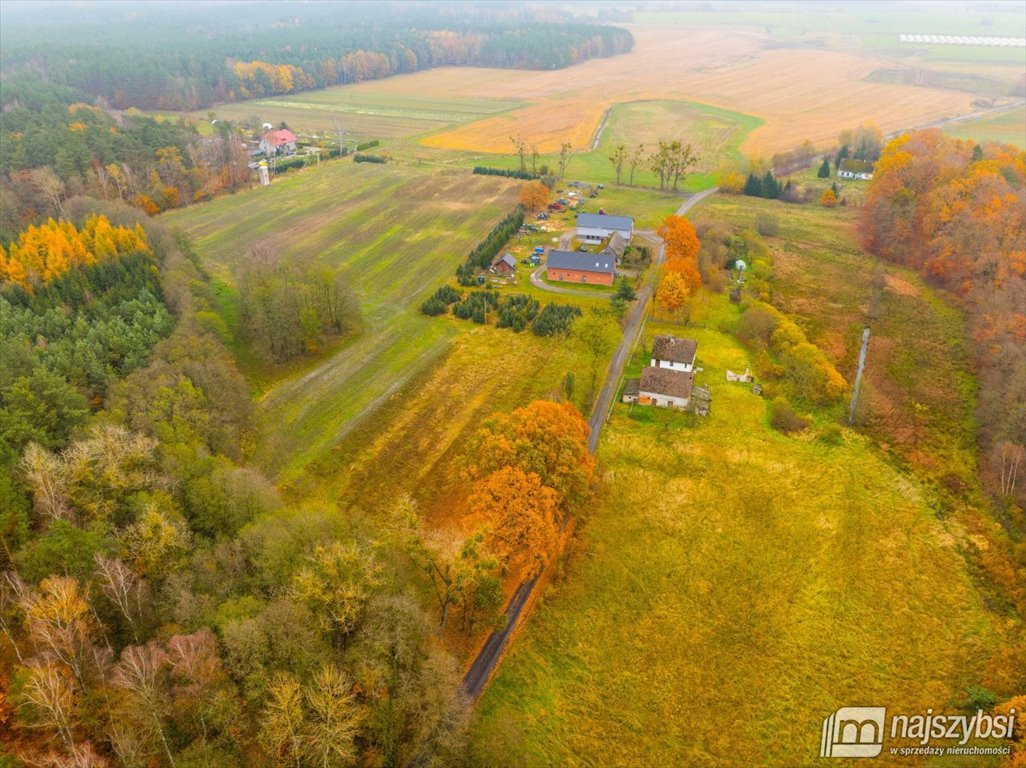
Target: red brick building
580	267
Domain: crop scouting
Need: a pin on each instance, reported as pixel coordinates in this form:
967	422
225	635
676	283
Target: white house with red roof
282	142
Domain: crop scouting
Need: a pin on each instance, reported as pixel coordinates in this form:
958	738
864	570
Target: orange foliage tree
45	252
534	195
545	438
682	248
673	292
519	512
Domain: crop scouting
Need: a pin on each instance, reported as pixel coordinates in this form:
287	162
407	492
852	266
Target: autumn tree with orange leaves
546	438
45	252
534	195
681	274
520	515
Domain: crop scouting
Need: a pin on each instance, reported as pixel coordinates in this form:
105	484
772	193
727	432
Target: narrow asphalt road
604	401
488	657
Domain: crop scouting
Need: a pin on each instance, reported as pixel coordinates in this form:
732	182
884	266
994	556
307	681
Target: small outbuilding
506	265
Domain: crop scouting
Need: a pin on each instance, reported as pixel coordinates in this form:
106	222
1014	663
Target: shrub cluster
784	418
367	145
555	319
358	158
438	303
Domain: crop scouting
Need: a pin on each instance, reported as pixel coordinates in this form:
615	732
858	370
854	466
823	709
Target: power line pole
858	376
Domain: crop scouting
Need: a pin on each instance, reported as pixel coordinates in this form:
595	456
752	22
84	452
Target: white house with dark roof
660	387
594	228
674	353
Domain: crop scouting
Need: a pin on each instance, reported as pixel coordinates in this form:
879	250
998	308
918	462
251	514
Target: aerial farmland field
396	234
715	134
363	115
1006	128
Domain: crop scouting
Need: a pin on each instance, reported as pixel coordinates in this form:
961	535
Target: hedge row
482	170
486	250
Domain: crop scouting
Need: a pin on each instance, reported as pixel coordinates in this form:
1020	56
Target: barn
594	228
580	267
506	265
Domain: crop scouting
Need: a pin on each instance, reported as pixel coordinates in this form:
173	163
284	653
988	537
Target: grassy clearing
734	575
1006	128
918	398
397	235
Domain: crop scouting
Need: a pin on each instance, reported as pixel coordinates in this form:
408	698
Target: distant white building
594	228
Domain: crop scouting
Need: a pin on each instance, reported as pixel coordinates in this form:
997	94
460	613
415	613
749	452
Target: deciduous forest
956	211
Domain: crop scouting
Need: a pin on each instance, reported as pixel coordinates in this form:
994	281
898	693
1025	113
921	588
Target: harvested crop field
800	93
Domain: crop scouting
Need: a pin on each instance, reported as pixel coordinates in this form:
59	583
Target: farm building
615	246
674	353
855	169
580	267
506	265
281	142
593	228
660	387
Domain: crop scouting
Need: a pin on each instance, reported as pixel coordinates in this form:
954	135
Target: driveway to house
604	401
488	657
539	282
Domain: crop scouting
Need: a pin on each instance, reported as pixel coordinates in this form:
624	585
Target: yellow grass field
800	93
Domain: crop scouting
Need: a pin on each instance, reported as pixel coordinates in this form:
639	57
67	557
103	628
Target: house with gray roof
594	228
581	267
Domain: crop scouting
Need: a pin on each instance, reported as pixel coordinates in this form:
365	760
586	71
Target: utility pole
858	376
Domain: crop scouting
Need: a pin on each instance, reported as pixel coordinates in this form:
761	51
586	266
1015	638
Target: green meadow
732	588
1005	128
715	134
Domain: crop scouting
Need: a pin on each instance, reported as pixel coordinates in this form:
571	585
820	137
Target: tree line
54	148
671	161
177	59
483	253
956	211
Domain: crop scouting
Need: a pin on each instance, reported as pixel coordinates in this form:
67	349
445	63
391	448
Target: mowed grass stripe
396	235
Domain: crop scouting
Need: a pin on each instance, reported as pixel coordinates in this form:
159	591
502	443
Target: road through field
488	657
